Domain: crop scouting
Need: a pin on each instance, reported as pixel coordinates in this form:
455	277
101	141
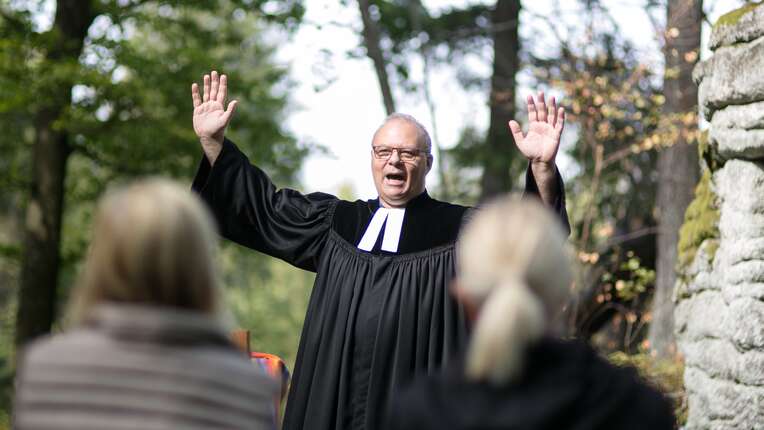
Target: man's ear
429	163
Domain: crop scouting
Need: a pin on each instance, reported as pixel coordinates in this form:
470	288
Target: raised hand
210	115
541	143
545	125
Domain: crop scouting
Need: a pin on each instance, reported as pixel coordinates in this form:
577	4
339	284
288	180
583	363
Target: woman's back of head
147	346
514	266
153	244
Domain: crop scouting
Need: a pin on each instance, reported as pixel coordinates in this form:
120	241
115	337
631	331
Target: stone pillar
720	299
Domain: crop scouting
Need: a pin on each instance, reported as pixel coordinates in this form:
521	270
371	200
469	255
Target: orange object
272	364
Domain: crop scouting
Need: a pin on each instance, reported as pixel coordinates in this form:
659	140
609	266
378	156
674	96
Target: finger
215	84
223	89
560	120
541	109
206	96
517	132
551	116
532	116
195	95
229	112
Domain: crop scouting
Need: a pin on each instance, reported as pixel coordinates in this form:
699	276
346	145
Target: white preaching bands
394	219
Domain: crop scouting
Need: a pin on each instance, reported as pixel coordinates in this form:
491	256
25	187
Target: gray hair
423	138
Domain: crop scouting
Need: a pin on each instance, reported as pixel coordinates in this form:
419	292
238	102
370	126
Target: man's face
399	177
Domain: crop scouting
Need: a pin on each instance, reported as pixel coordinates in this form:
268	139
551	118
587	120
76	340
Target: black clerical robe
375	319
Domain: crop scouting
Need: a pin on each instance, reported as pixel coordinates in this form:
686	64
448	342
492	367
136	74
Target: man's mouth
394	179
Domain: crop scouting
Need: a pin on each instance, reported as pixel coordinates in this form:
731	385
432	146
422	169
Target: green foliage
130	110
700	223
665	375
267	297
128	113
633	279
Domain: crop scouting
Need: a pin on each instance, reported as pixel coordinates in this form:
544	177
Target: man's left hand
540	144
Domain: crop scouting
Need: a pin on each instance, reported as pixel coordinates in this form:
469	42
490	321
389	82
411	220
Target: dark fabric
558	206
375	319
565	385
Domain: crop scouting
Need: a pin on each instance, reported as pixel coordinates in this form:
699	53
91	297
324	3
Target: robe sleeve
558	206
251	212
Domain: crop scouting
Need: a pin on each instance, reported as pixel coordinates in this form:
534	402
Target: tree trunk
499	148
371	40
42	225
678	169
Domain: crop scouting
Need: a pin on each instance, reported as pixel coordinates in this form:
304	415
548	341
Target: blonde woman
147	349
513	277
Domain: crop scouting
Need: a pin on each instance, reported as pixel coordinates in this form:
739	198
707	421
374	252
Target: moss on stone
700	223
708	153
731	18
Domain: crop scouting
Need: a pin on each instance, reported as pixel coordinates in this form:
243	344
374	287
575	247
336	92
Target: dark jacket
133	367
566	385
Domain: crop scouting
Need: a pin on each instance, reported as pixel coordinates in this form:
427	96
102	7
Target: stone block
745	117
732	76
752	290
741	25
720	404
700	316
744	272
716	357
739	185
744	249
738	143
719	358
744	324
735	226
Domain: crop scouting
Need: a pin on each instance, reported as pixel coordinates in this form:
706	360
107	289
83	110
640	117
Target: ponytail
510	319
512	264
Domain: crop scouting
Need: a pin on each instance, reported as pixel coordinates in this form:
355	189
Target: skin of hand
540	144
210	115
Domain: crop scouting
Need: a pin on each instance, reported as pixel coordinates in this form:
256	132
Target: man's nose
394	157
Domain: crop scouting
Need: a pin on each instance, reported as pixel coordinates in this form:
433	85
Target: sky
337	102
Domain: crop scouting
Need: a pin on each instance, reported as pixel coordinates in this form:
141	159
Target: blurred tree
678	168
499	150
373	50
412	35
104	94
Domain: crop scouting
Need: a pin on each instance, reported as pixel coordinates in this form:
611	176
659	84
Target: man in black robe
380	311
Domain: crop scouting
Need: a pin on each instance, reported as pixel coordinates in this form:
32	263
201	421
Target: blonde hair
513	263
153	244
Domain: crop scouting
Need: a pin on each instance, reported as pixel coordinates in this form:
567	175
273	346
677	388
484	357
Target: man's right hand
210	116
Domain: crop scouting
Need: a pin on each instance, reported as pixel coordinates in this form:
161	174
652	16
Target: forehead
397	132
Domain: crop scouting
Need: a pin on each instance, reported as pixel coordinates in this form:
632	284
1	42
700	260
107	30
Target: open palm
210	115
545	125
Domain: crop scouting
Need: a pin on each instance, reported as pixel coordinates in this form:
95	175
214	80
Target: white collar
392	236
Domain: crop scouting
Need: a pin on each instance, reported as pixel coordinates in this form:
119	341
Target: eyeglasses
405	154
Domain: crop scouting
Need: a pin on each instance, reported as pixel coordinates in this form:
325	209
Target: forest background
96	92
